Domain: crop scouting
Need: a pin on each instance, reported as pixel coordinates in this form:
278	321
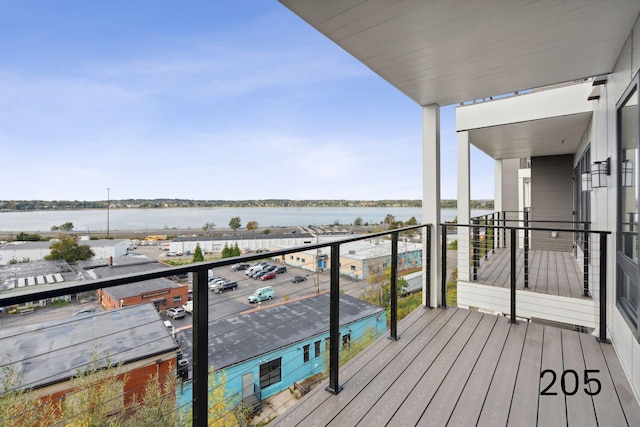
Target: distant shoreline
60	205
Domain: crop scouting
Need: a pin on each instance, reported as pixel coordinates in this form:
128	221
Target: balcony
441	365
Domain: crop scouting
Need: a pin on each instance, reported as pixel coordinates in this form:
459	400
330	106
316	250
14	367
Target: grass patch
452	288
59	303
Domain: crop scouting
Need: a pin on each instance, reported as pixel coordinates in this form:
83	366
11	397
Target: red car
269	275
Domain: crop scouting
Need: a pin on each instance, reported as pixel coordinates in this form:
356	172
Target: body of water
196	218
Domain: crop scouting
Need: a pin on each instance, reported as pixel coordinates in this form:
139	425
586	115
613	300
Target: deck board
605	401
552	273
439	409
528	379
580	410
456	367
551	408
402	376
412	408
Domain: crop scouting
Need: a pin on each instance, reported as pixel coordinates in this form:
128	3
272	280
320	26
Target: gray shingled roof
50	352
243	337
136	288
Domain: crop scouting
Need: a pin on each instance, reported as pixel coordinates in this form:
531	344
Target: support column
464	205
497	199
431	199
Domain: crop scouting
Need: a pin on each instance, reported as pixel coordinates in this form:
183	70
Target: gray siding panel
510	184
552	199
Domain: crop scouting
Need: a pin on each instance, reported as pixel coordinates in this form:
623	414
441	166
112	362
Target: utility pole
317	265
108	203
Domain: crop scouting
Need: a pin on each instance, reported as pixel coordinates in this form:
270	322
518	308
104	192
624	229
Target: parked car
296	279
223	287
240	267
176	312
281	269
270	275
270	267
84	311
253	270
259	274
171	253
261	294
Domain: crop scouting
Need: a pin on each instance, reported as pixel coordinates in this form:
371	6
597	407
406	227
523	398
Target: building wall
134	376
603	200
510	190
174	297
292	365
552	199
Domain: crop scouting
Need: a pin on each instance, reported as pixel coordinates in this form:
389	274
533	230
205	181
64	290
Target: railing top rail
24	295
508	227
541	220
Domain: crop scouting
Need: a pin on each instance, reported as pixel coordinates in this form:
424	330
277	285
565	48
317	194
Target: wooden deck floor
550	272
460	368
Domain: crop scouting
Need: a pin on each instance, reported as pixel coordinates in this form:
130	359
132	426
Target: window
582	196
177	299
316	346
353	268
302	260
270	372
627	272
305	350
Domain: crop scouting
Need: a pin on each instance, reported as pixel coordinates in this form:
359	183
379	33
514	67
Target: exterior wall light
599	172
586	181
627	173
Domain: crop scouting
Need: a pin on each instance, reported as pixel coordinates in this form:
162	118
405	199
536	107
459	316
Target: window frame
626	266
272	374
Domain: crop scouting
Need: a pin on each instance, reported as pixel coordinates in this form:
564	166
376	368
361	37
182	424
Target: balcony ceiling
545	137
445	52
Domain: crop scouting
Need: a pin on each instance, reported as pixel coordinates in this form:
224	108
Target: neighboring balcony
553	266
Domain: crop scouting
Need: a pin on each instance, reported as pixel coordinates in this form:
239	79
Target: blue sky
201	100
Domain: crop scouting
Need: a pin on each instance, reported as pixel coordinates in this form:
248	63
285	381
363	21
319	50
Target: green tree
197	254
235	223
252	226
236	250
226	251
208	227
67	248
412	221
26	237
357	222
67	226
389	219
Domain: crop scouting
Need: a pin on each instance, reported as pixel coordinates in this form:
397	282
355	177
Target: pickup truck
225	286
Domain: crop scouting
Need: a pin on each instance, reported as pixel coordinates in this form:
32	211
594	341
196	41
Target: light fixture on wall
599	172
586	181
627	173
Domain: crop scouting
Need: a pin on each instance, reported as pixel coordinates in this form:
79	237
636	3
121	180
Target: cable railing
198	407
518	264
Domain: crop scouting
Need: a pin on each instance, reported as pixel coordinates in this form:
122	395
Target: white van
254	269
261	294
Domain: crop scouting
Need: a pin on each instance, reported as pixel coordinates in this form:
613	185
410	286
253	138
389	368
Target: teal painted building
273	347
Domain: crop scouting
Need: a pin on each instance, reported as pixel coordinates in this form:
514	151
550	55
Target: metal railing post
585	260
200	390
476	249
334	321
603	288
394	287
428	262
526	249
513	276
493	233
486	239
504	230
443	281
